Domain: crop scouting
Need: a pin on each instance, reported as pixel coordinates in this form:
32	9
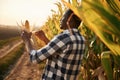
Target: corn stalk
107	64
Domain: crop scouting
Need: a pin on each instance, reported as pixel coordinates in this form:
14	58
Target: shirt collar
73	30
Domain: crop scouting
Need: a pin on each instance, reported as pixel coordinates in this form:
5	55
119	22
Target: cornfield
101	28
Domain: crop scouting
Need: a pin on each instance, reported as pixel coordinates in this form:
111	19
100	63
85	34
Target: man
63	53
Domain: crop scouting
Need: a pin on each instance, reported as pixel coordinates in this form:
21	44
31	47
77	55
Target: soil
25	70
9	47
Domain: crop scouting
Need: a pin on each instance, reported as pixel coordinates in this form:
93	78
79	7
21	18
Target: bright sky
35	11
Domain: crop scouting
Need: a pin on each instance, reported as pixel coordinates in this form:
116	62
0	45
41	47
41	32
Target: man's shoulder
62	35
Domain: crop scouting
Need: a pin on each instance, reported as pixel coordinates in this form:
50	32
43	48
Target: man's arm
45	52
41	35
26	38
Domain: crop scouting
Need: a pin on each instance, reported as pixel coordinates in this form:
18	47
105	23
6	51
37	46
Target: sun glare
36	11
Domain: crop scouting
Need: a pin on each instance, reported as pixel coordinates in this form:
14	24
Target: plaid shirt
64	54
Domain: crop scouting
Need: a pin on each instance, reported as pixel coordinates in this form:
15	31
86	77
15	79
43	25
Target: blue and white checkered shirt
64	54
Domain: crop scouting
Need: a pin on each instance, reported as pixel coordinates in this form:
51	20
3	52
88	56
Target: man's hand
41	35
25	35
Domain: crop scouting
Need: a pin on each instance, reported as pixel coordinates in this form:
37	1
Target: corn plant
103	19
53	21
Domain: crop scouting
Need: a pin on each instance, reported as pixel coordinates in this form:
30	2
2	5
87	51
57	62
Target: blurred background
100	26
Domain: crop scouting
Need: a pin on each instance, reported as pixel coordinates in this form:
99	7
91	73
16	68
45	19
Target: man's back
64	64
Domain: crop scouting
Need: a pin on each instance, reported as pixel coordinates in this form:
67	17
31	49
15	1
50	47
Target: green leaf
106	63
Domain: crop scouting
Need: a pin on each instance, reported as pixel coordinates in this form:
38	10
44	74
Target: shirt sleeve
51	48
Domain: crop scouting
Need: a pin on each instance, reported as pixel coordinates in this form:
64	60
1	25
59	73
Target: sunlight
36	11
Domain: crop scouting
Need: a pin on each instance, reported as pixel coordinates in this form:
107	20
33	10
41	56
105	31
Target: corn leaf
98	22
106	63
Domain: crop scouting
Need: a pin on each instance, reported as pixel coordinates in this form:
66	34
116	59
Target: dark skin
41	35
26	38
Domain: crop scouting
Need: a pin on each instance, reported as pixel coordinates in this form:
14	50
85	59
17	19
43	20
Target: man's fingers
26	35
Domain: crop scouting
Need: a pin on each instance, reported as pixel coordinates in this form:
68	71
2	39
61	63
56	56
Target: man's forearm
28	45
46	40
